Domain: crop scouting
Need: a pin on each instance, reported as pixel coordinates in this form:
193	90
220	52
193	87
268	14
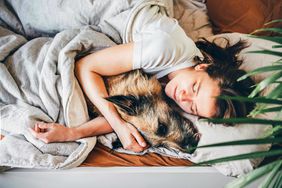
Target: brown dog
140	100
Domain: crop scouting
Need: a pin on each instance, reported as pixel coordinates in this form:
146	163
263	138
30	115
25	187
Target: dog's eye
162	130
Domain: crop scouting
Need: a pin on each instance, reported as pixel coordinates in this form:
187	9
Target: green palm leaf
271	175
269	52
277	46
258	154
278	183
251	176
254	100
261	70
266	110
276	92
274	21
246	142
273	39
278	62
276	131
276	30
270	140
245	120
266	82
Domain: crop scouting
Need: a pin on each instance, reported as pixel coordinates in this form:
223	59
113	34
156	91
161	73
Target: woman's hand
130	138
52	132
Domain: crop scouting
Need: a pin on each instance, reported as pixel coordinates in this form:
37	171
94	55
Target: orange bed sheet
101	156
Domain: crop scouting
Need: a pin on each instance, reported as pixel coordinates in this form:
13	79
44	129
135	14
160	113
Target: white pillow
215	133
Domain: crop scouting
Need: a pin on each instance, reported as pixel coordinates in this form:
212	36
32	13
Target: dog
140	100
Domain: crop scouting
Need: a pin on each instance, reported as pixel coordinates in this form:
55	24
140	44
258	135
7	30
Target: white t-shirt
160	45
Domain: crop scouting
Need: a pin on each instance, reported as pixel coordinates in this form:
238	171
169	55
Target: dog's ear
126	103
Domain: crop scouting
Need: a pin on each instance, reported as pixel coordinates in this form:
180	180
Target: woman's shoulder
160	49
175	41
163	40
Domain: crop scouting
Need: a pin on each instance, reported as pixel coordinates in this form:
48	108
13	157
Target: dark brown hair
224	67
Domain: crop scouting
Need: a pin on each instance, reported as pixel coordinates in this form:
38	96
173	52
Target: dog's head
151	113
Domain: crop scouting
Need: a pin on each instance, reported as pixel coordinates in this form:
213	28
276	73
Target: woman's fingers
130	138
134	146
131	144
36	128
41	136
40	131
33	132
138	137
140	140
38	135
42	127
51	132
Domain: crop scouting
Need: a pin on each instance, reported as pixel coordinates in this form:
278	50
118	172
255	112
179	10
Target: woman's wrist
74	134
116	122
94	127
112	116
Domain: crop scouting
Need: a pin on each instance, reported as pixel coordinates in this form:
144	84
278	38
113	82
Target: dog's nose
187	143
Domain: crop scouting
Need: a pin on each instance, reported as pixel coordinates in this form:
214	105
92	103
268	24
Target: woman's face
193	90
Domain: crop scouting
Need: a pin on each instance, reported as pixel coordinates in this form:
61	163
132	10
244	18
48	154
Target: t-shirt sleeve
154	51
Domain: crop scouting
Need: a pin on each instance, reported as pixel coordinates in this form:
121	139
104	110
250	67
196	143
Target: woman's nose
184	96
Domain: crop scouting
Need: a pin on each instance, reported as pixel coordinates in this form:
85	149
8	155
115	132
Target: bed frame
116	177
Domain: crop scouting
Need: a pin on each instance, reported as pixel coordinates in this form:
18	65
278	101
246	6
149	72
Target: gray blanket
39	42
37	76
38	84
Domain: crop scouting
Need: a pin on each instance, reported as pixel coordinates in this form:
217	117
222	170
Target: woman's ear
201	67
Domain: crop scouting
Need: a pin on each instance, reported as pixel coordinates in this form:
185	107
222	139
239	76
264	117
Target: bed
104	167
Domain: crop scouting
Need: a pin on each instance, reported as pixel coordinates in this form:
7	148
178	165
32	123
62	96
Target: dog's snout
185	142
188	143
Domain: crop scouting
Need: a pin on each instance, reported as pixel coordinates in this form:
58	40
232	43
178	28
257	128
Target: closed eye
194	88
193	106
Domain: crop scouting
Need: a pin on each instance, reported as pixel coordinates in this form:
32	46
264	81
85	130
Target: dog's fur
140	100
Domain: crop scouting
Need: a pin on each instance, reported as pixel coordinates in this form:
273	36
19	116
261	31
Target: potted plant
270	103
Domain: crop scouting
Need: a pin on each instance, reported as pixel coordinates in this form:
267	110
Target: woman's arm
55	132
89	71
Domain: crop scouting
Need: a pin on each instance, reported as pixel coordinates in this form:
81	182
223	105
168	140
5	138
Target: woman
193	75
